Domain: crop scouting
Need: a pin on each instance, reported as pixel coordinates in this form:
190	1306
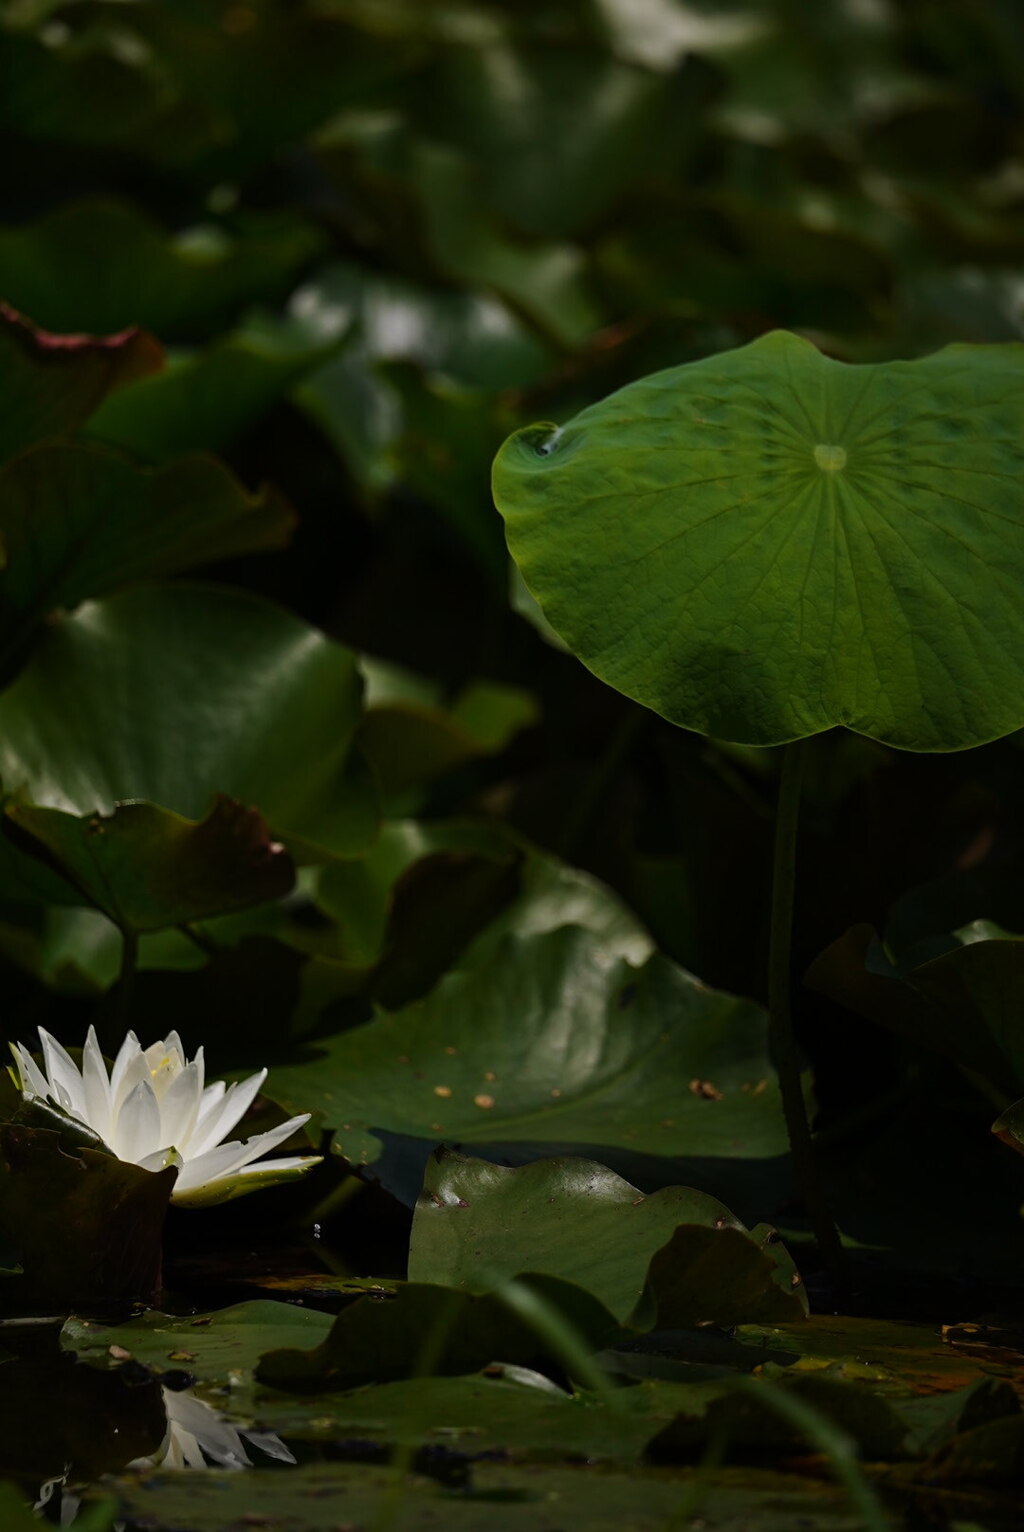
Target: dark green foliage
281	730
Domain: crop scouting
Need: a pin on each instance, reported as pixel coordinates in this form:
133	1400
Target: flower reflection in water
196	1437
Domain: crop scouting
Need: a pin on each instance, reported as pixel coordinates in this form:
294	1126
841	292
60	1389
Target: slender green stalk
784	1049
126	983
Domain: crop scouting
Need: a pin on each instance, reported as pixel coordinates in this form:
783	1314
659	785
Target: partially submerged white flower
197	1435
155	1109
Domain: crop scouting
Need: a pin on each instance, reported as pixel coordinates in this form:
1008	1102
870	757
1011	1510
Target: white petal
226	1114
96	1086
172	1044
228	1158
212	1096
137	1129
128	1051
269	1443
183	1451
160	1159
231	1184
33	1081
217	1437
65	1079
133	1073
179	1105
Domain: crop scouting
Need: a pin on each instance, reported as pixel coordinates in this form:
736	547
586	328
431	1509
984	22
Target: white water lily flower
154	1109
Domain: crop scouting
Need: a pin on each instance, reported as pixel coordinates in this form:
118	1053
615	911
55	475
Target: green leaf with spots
768	543
213	1346
554	1039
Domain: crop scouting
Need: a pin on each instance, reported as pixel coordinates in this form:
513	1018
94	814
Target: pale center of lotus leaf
830	458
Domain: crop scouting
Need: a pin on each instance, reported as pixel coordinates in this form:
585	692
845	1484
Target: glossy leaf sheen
767	543
79	521
554	1040
167	692
478	1224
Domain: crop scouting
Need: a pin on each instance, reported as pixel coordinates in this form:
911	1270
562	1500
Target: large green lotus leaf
477	1224
174	693
553	1039
403	1327
147	868
51	384
102	266
768	543
88	1226
79	521
503	1497
206	400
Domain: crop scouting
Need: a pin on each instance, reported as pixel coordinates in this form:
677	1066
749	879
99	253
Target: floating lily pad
501	1499
51	384
767	543
213	1346
553	1039
404	1329
477	1224
504	1409
166	693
